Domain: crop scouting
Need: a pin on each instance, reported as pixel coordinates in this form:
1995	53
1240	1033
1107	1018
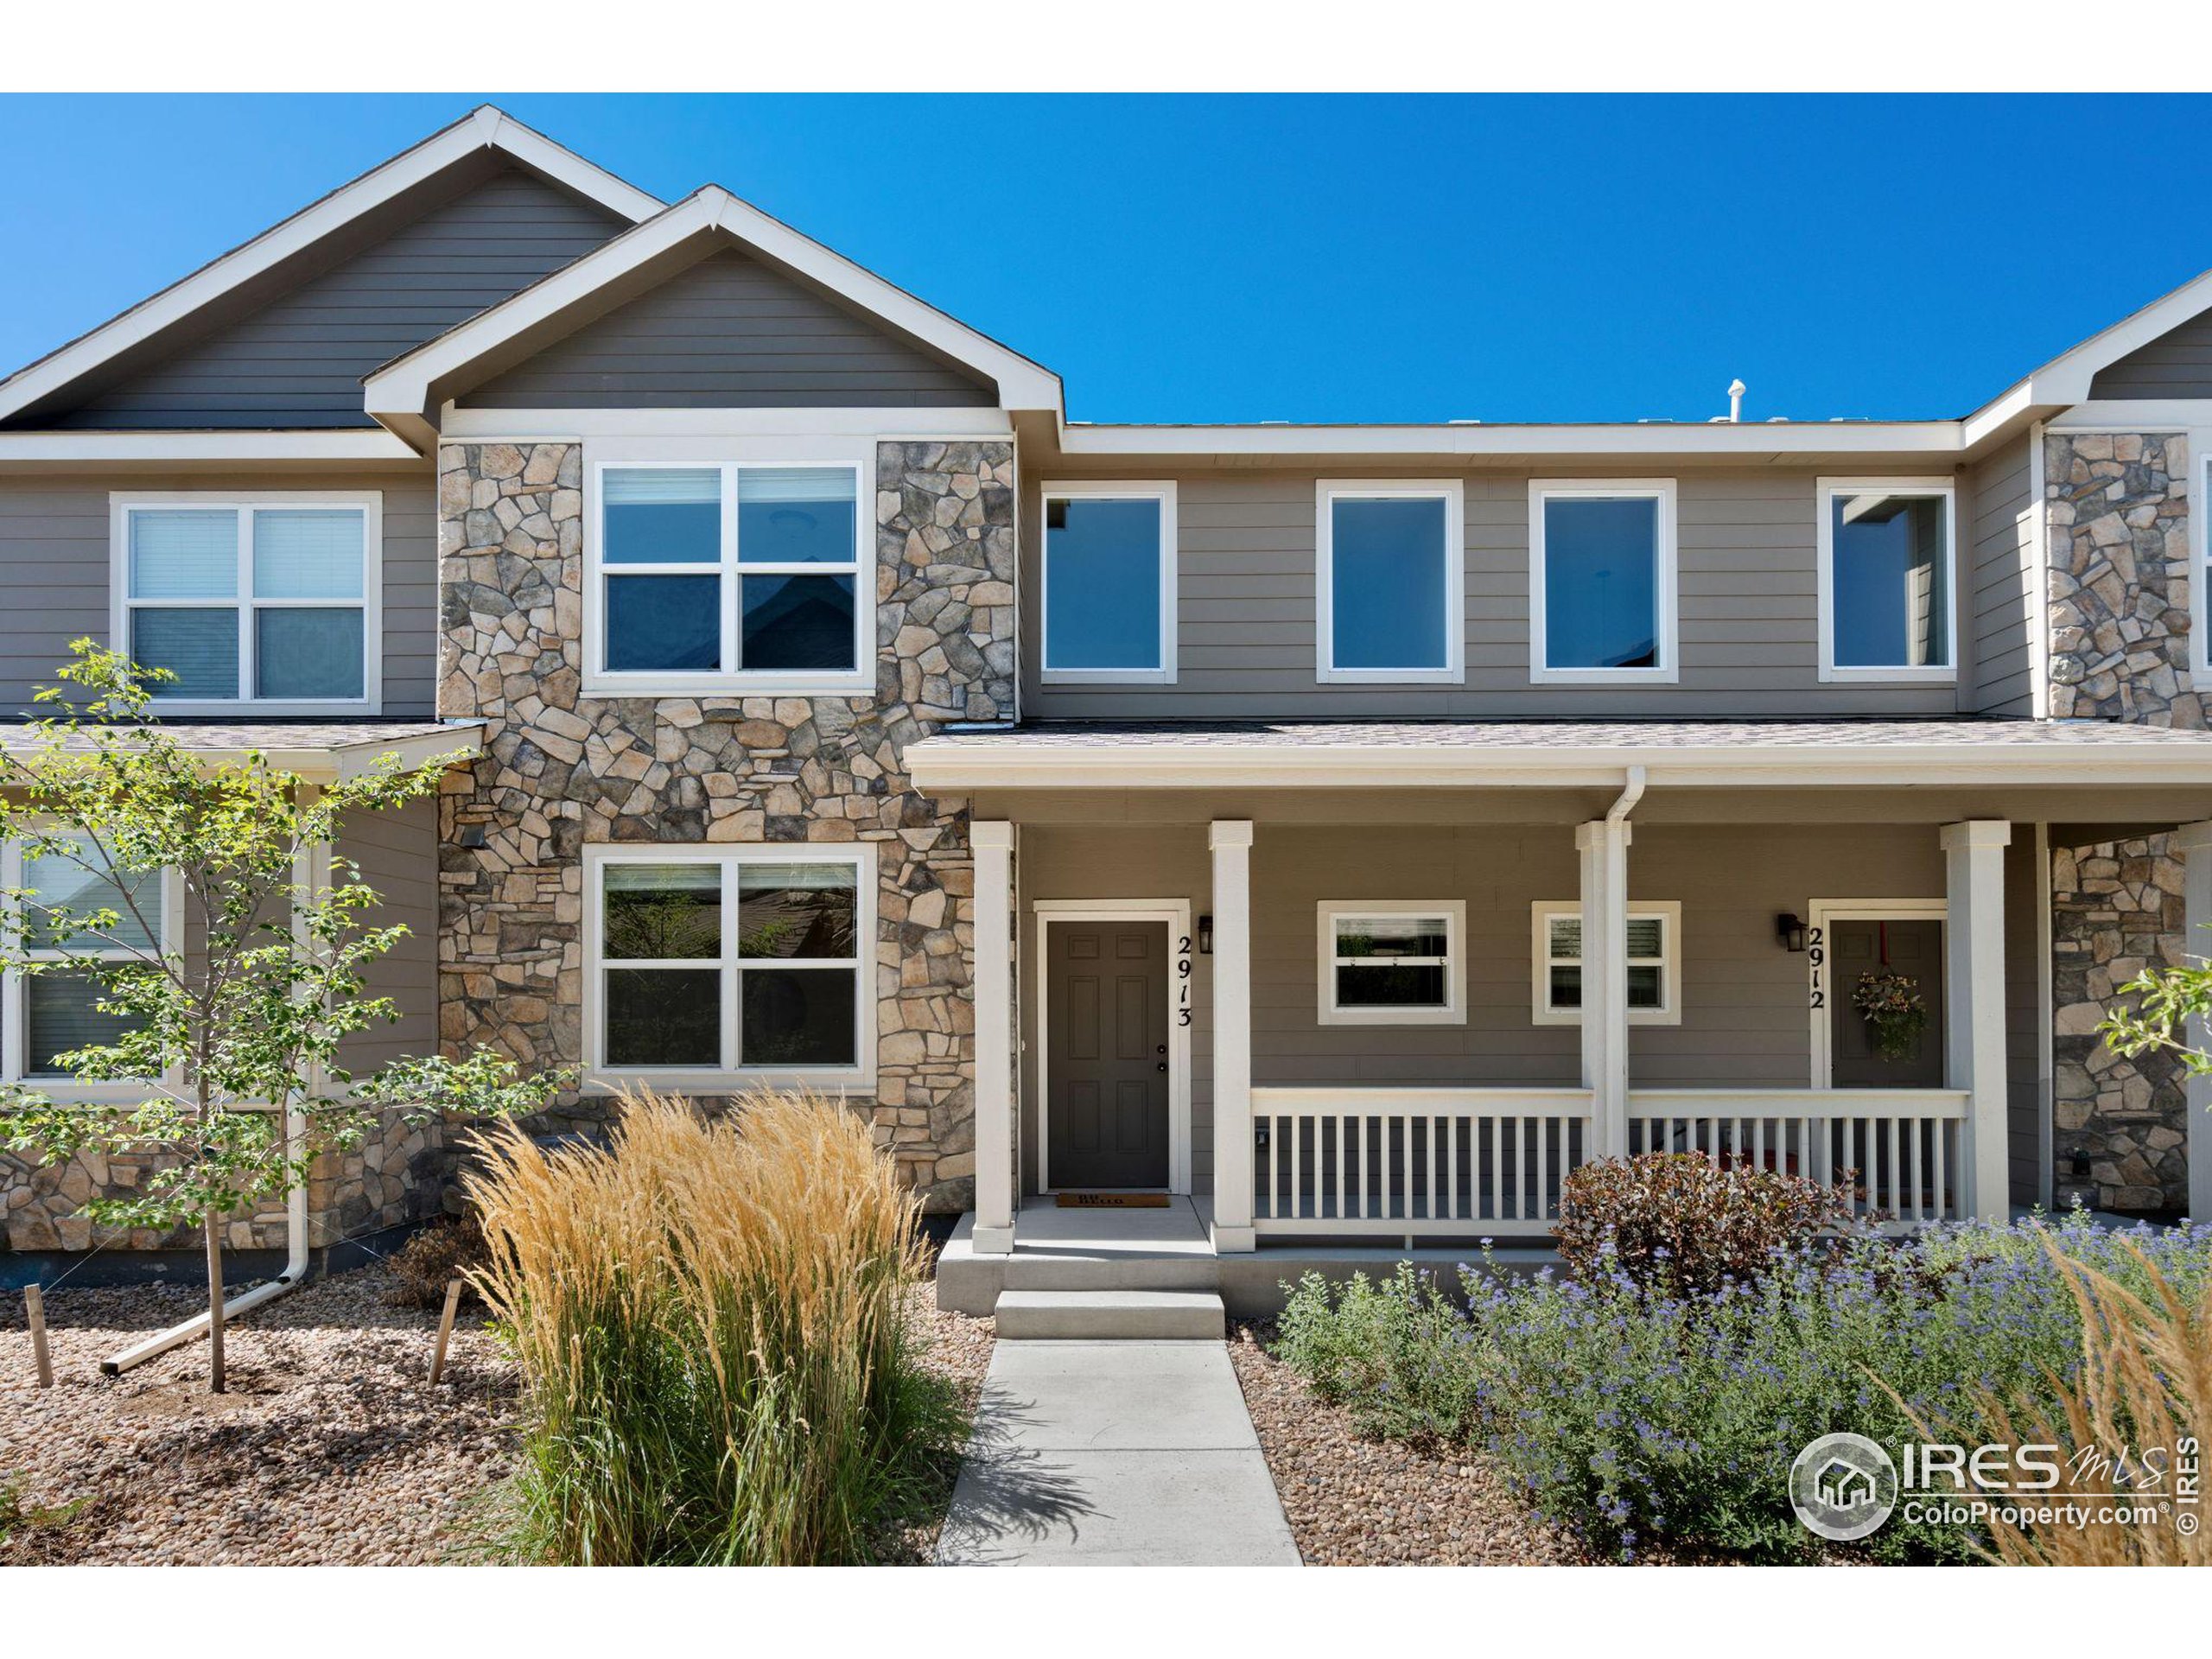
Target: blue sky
1257	258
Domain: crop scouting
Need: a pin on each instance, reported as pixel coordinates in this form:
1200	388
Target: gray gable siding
2178	364
55	563
298	360
1748	599
729	333
1997	514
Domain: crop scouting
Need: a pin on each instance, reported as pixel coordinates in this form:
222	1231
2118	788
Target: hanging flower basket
1890	1002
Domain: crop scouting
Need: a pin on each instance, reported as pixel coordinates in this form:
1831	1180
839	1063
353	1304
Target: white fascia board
327	765
955	767
401	390
575	425
1763	441
486	127
2135	414
20	450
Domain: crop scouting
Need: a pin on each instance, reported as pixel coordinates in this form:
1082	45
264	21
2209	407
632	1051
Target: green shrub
710	1322
1636	1415
1687	1222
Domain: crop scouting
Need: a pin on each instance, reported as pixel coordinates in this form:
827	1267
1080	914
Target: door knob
1163	1066
1162	1049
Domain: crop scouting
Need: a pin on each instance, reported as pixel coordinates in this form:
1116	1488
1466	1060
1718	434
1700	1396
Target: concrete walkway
1114	1455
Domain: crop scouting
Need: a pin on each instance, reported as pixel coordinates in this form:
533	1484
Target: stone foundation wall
561	771
2118	519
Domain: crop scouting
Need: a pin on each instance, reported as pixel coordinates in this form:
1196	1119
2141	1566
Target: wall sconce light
1205	934
1789	930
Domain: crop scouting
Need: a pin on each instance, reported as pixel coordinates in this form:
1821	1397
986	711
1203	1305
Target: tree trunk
215	1224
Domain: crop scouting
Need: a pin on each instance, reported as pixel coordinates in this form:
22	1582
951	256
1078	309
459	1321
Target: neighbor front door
1106	1076
1858	949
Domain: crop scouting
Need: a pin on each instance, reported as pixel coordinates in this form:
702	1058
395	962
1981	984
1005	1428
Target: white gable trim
485	128
2065	380
399	393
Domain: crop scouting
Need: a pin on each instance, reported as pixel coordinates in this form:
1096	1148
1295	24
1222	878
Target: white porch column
1974	978
1231	842
2194	842
993	845
1603	844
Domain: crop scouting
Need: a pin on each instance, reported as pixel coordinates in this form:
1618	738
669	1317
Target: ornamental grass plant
708	1316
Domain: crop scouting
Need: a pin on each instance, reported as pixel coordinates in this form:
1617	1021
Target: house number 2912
1816	957
1183	980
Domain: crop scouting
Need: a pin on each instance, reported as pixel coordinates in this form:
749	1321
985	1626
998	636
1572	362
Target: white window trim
1668	912
727	459
1162	490
858	1077
1666	625
1453	491
15	1012
2198	483
1824	496
370	503
1329	911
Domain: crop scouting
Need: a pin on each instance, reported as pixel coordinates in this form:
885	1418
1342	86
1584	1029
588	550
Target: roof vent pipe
1735	401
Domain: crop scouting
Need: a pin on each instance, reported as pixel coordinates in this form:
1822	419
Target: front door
1106	1077
1858	949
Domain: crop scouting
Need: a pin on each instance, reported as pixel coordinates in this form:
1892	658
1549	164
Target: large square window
269	602
1389	572
747	963
1885	580
1110	582
1392	962
1602	582
744	575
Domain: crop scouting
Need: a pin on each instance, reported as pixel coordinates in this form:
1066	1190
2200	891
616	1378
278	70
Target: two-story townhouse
1332	834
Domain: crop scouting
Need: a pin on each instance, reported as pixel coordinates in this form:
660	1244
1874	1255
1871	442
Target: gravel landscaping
331	1447
1356	1502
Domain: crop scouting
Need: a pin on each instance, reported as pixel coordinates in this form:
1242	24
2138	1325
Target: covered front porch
1403	989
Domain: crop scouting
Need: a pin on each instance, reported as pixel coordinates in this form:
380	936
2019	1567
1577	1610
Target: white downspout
310	872
1617	813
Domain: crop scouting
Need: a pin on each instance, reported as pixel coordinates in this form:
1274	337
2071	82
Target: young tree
211	1029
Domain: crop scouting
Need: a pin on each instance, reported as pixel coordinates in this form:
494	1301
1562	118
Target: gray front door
1106	1079
1913	949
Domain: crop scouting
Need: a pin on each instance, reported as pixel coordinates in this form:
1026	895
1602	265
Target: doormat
1113	1200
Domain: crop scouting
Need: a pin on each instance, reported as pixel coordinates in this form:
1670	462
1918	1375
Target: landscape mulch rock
1353	1501
331	1446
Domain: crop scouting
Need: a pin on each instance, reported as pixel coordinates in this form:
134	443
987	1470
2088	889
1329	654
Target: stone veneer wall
561	771
2118	519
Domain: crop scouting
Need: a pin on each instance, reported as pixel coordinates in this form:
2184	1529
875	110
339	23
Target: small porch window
1885	553
1653	964
53	1014
1110	583
1393	962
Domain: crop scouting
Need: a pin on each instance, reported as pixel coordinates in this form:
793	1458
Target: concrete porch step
1095	1315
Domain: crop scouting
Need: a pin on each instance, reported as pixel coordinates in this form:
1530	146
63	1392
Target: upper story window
43	1015
1389	574
1601	574
269	599
1110	583
1885	579
1392	962
743	576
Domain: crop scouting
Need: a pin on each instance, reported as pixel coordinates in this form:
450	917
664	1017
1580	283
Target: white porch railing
1408	1162
1902	1147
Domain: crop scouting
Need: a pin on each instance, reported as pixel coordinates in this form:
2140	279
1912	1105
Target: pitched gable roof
140	332
406	394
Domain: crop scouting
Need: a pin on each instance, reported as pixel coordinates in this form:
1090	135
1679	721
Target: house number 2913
1183	980
1816	957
